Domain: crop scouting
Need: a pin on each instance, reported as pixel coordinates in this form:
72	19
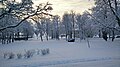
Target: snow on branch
38	11
114	10
101	23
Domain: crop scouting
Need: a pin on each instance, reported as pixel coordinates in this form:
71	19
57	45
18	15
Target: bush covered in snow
45	51
11	55
27	54
5	55
19	55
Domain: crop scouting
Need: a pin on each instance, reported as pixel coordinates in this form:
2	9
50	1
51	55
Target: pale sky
62	6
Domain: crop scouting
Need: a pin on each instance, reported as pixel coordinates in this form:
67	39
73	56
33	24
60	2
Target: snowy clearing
64	54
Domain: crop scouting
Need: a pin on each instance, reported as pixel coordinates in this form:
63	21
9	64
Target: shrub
19	55
47	51
29	53
43	51
11	55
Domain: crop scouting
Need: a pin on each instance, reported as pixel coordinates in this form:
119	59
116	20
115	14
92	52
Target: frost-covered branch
38	11
103	24
114	10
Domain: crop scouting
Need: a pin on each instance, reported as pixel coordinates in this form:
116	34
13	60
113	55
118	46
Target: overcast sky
61	6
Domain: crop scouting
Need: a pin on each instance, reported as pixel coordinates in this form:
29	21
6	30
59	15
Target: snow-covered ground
64	54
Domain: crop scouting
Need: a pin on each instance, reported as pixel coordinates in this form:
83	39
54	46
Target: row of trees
15	19
71	25
103	21
48	27
83	26
77	25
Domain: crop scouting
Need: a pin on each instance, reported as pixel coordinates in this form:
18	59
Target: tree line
21	18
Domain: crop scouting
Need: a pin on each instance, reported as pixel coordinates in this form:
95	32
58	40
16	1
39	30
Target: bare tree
114	7
106	14
56	21
67	22
23	11
73	23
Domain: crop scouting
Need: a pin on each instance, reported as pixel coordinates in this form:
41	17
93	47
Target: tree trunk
41	35
47	31
70	34
47	36
99	34
113	35
88	43
52	35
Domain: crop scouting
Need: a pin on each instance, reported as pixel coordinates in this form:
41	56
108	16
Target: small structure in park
71	40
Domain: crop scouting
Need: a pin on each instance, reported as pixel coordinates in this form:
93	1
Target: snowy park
63	54
59	33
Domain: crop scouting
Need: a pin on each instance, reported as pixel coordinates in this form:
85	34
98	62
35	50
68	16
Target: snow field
64	54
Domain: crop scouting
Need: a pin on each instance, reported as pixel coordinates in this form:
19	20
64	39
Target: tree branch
117	18
103	24
37	12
